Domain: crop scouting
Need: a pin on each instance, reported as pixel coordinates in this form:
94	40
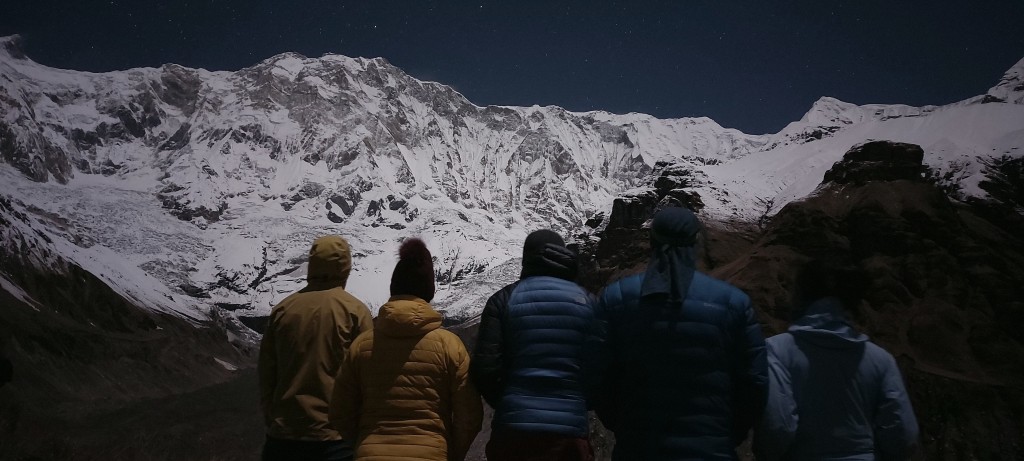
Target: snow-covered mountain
958	139
188	189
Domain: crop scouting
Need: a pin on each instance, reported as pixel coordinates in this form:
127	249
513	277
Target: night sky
751	65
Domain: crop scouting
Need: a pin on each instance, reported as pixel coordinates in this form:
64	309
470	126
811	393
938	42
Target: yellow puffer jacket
304	344
403	392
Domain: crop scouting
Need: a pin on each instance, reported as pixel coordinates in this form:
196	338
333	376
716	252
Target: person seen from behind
538	358
833	394
6	367
305	341
403	392
688	375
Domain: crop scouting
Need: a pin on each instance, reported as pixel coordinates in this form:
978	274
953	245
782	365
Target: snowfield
190	190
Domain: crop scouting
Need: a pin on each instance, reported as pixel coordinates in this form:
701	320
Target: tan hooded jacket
404	391
306	339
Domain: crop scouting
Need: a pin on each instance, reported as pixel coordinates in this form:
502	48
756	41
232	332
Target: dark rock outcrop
878	161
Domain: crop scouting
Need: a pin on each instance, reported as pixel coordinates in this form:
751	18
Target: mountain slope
263	159
254	164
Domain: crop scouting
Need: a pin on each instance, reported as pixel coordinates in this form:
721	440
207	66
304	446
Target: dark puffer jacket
538	356
686	381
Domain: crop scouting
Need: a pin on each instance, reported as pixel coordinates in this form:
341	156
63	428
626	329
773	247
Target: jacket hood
330	261
404	316
825	325
549	259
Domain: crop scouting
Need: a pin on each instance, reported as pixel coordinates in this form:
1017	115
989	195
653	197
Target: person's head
414	273
821	278
674	227
330	260
545	253
674	232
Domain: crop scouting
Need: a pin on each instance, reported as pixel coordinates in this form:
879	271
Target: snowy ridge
1011	88
211	185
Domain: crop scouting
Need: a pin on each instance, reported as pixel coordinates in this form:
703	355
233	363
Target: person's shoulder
347	299
551	289
707	288
282	307
500	298
625	287
878	355
780	342
363	341
504	291
451	341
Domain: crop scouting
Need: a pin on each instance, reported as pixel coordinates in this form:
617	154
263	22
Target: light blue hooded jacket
833	395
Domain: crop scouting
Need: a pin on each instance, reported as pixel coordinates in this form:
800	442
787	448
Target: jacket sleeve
749	371
486	369
467	410
267	370
777	428
346	400
895	425
595	355
363	319
608	303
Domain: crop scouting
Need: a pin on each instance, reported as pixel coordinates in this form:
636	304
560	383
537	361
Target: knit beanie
414	273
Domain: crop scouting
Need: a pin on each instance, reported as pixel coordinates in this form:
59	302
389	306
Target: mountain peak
831	111
11	45
1011	88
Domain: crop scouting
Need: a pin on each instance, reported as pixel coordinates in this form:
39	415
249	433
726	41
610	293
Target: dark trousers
507	445
302	450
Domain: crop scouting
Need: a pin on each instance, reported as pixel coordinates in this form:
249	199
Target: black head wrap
673	260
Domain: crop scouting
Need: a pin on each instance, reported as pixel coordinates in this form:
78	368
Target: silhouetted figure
538	358
403	392
833	394
6	369
688	376
306	339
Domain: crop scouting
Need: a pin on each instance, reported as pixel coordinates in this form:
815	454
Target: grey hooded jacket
833	395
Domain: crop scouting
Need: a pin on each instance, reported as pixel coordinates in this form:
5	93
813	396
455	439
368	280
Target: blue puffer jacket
834	395
687	380
552	338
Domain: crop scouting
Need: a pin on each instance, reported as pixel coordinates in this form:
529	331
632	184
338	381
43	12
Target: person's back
688	372
6	367
537	359
306	339
403	392
834	395
548	321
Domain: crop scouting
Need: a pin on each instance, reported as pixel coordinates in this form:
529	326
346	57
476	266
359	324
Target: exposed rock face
215	135
878	161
